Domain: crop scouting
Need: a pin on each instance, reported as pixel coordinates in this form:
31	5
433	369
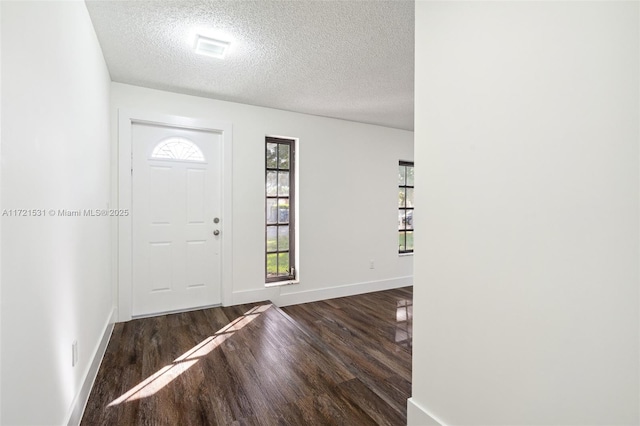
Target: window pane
283	238
409	176
272	242
283	210
283	184
272	184
401	243
272	155
409	243
272	211
272	265
283	159
283	264
406	204
178	149
279	192
401	219
409	195
408	219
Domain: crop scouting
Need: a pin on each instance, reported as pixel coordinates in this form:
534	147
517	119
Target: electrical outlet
372	264
74	353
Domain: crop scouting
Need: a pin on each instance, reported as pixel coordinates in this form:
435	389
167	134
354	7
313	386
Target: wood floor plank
341	361
369	321
369	402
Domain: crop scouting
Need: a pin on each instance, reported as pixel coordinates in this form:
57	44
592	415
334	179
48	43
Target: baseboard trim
82	397
417	415
295	298
253	296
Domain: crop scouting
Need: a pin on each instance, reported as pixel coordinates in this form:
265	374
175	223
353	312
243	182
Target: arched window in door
177	149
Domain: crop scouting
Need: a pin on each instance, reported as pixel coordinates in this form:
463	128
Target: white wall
527	133
347	195
56	282
1	161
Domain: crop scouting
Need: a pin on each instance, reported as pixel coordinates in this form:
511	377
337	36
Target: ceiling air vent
211	47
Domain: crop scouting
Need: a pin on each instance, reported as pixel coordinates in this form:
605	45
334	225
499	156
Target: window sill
281	283
404	254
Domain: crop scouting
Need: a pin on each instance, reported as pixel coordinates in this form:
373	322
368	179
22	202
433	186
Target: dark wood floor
342	361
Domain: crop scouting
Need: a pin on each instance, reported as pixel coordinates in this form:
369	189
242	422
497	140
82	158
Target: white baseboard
80	401
294	298
419	416
252	296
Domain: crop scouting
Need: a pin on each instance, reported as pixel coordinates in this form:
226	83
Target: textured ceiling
345	59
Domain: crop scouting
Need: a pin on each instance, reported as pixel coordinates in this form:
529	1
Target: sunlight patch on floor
169	373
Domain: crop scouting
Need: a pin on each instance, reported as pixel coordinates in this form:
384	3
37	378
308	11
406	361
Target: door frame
124	224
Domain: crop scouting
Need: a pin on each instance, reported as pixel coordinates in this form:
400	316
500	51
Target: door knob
216	232
216	220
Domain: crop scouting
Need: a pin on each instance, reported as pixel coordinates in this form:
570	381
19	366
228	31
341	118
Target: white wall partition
0	210
527	136
347	195
56	281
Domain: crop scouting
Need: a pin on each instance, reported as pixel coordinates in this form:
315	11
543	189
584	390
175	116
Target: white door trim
126	118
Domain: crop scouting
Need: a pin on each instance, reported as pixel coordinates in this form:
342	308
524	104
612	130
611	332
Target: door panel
159	266
176	196
195	196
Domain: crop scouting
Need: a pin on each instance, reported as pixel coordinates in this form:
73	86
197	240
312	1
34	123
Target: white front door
176	218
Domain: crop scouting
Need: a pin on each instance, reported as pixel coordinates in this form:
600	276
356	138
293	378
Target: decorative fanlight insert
177	149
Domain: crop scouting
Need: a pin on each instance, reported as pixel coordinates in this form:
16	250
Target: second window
405	207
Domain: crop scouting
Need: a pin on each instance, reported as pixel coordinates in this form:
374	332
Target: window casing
405	207
280	210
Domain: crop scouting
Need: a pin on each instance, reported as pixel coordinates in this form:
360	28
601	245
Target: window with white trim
280	210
